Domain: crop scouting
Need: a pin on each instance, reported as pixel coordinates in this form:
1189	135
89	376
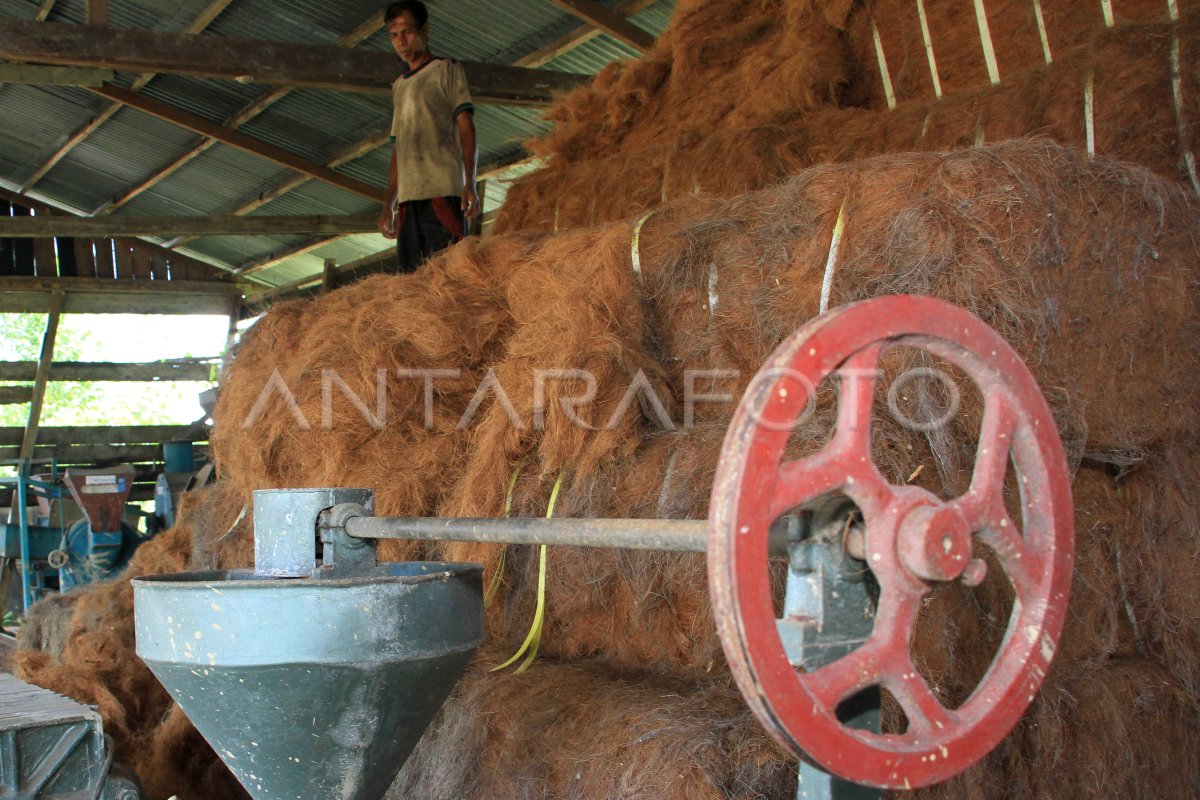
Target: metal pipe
676	535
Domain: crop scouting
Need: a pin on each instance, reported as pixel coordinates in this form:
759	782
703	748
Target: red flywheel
913	539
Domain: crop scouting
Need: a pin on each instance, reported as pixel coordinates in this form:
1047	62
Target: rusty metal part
912	539
101	493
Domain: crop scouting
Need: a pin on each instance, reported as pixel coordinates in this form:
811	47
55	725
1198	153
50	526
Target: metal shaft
677	535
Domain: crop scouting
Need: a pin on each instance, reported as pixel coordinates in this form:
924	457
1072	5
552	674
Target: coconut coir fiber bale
580	732
958	49
1134	120
1047	247
711	68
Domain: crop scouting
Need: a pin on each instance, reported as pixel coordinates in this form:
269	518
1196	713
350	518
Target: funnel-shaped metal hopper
312	688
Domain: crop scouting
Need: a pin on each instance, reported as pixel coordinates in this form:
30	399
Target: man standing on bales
431	179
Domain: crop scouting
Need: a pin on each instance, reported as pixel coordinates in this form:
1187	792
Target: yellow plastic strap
1173	10
831	260
925	126
985	37
1041	23
1089	115
635	246
498	576
883	67
933	70
1106	6
533	639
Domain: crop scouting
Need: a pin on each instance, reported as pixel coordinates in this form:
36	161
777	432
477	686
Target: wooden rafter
95	12
241	141
205	18
610	22
253	267
87	227
44	10
323	67
356	150
252	109
263	263
572	39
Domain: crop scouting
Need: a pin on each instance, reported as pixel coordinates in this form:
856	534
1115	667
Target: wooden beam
109	227
45	358
241	141
200	23
251	267
376	262
67	146
105	296
356	150
79	455
572	39
44	10
54	76
315	66
236	120
609	22
178	370
15	395
65	435
95	12
154	179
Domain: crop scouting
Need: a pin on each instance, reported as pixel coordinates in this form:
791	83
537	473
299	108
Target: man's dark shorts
423	227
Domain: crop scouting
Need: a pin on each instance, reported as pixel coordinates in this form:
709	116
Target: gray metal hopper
312	688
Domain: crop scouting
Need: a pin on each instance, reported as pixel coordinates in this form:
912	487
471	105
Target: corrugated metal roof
315	124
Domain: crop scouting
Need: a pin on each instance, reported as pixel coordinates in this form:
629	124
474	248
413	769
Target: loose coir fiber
1061	254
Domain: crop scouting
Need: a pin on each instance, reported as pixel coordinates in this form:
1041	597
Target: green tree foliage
21	340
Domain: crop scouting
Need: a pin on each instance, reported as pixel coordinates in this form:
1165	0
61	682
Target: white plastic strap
883	67
1041	23
933	70
635	246
712	288
831	260
1183	134
985	38
1106	6
1089	112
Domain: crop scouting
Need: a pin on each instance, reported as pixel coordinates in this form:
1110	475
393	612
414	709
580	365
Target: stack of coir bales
631	141
1063	256
1086	267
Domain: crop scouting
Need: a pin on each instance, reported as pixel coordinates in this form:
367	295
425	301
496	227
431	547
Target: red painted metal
912	537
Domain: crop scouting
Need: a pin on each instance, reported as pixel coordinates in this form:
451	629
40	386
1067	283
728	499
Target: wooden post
43	373
95	12
327	277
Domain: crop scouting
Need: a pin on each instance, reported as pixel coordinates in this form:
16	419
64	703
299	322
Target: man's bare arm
471	206
387	215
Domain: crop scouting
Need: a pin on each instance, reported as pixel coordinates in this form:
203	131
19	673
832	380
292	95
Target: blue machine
51	554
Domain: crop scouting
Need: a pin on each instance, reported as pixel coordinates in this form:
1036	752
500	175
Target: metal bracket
286	528
342	555
828	610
